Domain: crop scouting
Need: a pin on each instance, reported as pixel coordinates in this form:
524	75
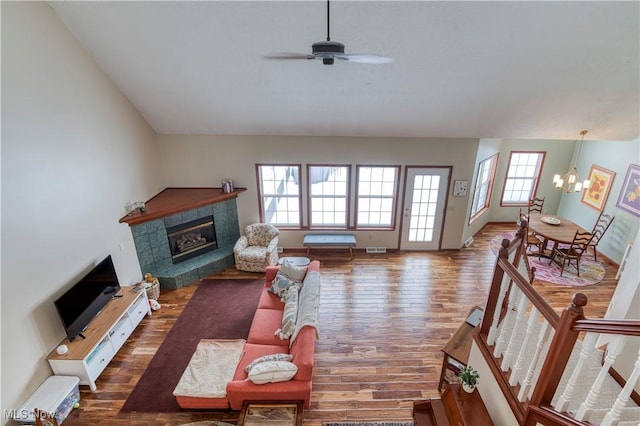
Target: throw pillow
289	314
272	372
265	358
280	285
293	272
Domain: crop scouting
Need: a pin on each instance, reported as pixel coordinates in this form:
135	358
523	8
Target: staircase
550	369
456	407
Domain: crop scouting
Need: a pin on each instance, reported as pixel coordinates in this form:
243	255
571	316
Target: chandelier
571	181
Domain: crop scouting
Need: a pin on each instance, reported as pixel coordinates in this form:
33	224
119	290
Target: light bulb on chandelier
571	181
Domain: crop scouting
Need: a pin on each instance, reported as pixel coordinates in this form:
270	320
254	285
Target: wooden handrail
605	326
535	298
568	326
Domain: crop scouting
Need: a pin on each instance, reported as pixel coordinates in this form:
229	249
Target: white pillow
265	358
293	272
272	372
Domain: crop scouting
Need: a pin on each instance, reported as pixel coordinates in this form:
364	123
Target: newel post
494	291
559	352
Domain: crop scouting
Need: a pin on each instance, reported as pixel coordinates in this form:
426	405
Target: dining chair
534	206
601	226
574	252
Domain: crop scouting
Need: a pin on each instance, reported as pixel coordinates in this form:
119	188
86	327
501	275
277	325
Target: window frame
347	198
394	198
534	185
261	194
488	185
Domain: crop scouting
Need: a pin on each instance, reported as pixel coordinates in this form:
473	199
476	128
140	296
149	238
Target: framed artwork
460	188
596	195
629	198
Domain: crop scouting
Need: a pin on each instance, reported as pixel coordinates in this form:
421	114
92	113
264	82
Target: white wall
557	158
206	160
74	151
486	149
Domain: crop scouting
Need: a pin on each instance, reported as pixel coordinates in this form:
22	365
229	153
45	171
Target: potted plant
469	378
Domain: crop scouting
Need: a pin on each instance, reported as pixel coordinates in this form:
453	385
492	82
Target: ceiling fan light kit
330	50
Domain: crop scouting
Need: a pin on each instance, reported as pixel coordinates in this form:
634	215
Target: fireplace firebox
191	239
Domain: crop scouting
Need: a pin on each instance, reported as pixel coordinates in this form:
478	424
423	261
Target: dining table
553	228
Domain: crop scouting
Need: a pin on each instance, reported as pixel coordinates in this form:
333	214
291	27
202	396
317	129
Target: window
376	196
328	195
522	177
280	194
482	189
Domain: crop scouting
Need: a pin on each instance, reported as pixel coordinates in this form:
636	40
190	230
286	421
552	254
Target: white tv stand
106	333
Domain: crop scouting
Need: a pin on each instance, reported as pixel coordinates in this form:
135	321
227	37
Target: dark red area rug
219	309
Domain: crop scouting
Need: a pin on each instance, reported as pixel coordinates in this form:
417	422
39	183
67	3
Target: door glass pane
423	208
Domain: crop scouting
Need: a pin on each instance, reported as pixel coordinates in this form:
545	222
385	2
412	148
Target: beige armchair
257	248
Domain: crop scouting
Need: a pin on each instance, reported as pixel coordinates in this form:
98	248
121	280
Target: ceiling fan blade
290	56
364	58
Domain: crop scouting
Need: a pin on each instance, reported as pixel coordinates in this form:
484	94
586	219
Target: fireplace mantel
175	200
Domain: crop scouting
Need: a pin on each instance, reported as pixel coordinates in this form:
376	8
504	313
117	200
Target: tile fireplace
186	234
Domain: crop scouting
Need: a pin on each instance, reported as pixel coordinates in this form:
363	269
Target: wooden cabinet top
459	346
175	200
99	326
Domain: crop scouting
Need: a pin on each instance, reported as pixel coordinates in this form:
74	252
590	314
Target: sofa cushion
263	328
269	300
265	358
289	314
272	372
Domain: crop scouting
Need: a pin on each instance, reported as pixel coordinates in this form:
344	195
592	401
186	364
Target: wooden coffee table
271	413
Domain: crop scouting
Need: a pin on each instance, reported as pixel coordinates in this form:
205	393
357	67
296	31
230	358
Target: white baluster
615	346
532	324
613	416
543	356
543	337
506	328
514	340
493	331
588	346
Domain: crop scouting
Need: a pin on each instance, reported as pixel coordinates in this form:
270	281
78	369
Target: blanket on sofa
308	305
212	366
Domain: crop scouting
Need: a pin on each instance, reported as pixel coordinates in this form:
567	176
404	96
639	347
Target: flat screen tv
82	302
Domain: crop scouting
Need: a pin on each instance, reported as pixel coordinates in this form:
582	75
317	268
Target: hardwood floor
383	319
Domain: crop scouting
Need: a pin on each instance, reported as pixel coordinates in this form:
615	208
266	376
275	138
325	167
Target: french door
423	210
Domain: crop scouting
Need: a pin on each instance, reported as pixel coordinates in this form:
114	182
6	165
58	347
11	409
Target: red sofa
263	341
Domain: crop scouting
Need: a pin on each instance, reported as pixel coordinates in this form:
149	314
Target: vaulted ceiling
517	69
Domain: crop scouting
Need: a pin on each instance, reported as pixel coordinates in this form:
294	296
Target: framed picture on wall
596	195
629	198
460	188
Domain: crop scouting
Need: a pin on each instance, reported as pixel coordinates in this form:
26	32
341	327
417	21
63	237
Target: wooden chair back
601	226
574	252
535	205
581	241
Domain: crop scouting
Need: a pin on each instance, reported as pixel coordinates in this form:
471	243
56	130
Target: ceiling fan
330	50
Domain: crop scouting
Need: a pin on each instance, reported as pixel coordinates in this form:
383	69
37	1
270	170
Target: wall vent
280	249
376	249
468	242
